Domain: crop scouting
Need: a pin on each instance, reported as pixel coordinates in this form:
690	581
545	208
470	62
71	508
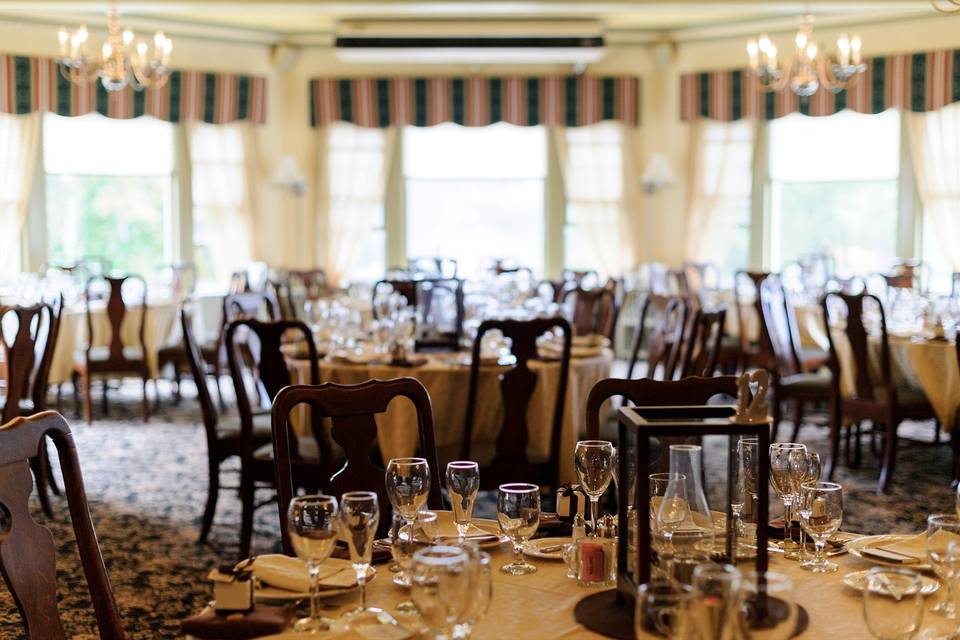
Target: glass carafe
687	460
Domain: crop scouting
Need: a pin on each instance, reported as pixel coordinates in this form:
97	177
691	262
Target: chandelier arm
954	6
828	79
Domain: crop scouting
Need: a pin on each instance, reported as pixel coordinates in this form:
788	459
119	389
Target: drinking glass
518	512
767	608
807	467
785	482
312	524
821	513
892	603
943	551
661	611
481	591
463	482
594	460
359	516
441	587
408	485
743	503
714	603
673	509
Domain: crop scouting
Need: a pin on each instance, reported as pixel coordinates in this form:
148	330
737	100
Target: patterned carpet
147	486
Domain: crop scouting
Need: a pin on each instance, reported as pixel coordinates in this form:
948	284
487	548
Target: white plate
858	582
448	529
856	547
532	548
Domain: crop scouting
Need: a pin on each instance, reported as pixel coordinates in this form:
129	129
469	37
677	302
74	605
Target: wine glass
821	513
481	591
463	482
767	607
943	551
403	545
359	517
441	587
518	512
745	487
806	465
893	603
785	481
673	509
714	605
661	610
408	485
312	525
594	460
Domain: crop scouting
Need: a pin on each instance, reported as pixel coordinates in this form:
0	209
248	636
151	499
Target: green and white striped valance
569	101
35	84
915	82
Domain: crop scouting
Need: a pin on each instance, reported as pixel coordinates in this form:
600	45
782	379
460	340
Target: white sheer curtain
935	150
223	176
353	166
19	141
601	218
720	177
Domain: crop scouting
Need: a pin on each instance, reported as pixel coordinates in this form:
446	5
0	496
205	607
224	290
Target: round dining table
446	377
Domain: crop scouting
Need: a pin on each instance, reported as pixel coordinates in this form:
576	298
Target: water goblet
806	465
463	482
784	479
821	513
312	524
441	587
518	512
408	485
359	517
714	603
673	509
892	603
943	551
404	544
595	460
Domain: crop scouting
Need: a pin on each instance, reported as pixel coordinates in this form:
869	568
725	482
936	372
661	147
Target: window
357	183
834	189
108	190
593	182
476	194
221	211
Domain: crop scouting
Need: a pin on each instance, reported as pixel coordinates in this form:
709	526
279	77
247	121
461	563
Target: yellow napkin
913	547
448	530
290	574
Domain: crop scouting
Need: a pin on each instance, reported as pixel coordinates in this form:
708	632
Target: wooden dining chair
267	371
116	358
875	395
704	340
653	311
644	392
180	276
432	298
352	410
790	380
665	342
433	267
595	311
507	460
28	551
746	289
223	436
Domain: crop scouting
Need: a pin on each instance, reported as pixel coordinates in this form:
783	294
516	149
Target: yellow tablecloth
73	334
447	378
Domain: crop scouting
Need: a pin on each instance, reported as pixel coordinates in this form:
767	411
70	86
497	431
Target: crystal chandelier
809	69
124	60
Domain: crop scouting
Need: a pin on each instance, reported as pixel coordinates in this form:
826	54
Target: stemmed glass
893	603
481	591
518	512
595	460
673	509
943	551
441	587
408	485
359	517
402	547
746	489
821	513
806	465
463	482
785	481
312	524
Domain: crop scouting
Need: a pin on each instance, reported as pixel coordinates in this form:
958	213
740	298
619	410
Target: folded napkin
448	531
260	621
910	550
290	574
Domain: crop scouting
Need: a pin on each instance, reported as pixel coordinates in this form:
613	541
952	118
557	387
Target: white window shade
96	145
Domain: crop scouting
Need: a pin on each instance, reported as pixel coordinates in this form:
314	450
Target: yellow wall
281	238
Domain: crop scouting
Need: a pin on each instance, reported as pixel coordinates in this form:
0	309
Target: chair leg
145	403
797	420
106	402
889	456
40	479
216	381
59	398
936	432
177	397
836	418
213	492
955	455
87	399
777	417
77	393
246	515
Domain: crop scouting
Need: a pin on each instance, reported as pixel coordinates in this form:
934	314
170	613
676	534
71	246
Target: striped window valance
914	82
562	101
34	84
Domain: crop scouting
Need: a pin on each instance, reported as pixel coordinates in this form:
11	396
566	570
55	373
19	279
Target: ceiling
299	20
